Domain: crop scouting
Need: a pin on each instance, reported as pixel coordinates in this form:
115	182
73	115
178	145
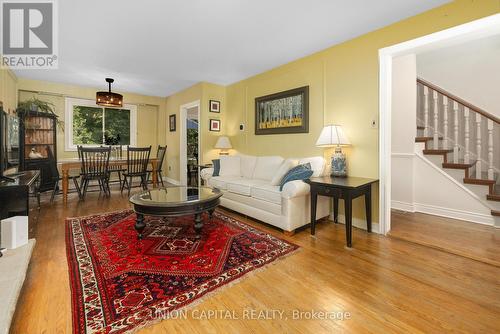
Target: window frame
68	128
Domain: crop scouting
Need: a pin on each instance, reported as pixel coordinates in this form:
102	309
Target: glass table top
175	196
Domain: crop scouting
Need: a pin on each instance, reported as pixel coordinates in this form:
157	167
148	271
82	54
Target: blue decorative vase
339	164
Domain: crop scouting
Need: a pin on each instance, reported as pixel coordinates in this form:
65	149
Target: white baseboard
359	223
444	212
172	181
402	206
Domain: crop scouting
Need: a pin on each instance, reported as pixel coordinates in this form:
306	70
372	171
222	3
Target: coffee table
175	202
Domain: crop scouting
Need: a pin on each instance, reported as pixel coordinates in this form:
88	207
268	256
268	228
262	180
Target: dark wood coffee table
175	202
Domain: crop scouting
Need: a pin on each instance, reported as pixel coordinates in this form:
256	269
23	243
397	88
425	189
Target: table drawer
326	191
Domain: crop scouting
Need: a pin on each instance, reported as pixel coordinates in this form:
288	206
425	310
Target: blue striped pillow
300	172
216	163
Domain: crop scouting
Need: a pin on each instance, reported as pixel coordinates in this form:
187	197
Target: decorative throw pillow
301	172
281	172
216	163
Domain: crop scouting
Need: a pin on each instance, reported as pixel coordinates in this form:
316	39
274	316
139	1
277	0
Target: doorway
481	28
190	144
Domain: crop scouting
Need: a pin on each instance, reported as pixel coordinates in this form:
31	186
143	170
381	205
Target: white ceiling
159	47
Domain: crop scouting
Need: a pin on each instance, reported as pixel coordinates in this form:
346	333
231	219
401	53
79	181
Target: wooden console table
68	164
346	188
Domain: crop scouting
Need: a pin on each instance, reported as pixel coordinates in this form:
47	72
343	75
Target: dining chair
95	167
57	177
137	164
160	155
118	169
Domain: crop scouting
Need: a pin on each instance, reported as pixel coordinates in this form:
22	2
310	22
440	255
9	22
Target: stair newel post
478	145
436	121
490	149
426	111
455	132
445	122
466	136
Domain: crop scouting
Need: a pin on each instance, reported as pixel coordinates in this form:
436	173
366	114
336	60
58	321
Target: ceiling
159	47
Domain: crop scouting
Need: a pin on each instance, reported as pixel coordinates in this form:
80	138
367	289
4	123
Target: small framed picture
215	125
172	121
214	106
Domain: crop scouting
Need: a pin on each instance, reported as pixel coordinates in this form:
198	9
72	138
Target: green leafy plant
35	105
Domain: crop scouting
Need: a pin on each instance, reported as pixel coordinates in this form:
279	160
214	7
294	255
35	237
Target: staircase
462	140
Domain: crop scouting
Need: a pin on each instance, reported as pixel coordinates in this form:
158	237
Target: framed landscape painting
284	112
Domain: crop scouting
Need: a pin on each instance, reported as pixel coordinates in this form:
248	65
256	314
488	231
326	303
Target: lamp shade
332	135
223	143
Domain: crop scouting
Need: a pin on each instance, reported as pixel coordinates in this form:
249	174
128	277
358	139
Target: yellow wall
149	109
8	90
343	83
173	104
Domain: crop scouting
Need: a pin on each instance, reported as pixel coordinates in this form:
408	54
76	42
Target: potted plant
35	105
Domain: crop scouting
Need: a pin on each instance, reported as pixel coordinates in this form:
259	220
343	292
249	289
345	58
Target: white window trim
68	121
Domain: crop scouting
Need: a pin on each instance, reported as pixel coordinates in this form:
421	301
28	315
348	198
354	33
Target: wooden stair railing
440	102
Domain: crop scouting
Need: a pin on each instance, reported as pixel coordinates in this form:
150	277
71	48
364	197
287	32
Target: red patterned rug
119	283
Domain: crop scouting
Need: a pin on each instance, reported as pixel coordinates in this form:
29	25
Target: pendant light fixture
109	99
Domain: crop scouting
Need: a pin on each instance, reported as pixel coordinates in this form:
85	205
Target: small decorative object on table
333	135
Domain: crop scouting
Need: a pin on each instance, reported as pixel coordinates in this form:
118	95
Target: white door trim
182	142
481	28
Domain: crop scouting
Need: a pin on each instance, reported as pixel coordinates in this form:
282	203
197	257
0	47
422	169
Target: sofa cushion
266	167
230	165
267	192
317	165
247	165
281	172
300	172
220	182
243	186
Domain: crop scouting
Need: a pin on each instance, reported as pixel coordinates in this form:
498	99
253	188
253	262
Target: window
91	125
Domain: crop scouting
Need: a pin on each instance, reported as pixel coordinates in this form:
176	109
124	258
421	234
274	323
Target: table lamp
333	135
224	144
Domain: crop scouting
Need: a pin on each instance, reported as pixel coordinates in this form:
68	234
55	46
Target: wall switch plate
374	123
242	127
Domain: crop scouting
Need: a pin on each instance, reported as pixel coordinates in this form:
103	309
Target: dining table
74	163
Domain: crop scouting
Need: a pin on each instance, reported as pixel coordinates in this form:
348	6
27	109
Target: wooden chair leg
77	187
161	179
129	185
54	191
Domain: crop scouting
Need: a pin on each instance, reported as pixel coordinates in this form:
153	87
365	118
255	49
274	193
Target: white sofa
246	185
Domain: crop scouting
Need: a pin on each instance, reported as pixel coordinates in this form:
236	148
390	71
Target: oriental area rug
119	283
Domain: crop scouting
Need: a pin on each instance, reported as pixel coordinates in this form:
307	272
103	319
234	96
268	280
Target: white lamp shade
332	135
223	143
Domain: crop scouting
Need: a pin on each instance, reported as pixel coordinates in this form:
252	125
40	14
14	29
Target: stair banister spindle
436	120
466	135
490	149
455	132
445	122
426	111
478	145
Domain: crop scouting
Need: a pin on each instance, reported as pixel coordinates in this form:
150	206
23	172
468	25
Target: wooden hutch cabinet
37	133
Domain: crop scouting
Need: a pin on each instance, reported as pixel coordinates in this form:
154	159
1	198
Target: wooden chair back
137	160
95	161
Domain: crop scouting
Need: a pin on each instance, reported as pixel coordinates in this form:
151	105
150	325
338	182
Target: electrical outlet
242	127
374	123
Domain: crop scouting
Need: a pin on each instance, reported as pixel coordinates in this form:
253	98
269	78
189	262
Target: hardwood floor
387	285
475	241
